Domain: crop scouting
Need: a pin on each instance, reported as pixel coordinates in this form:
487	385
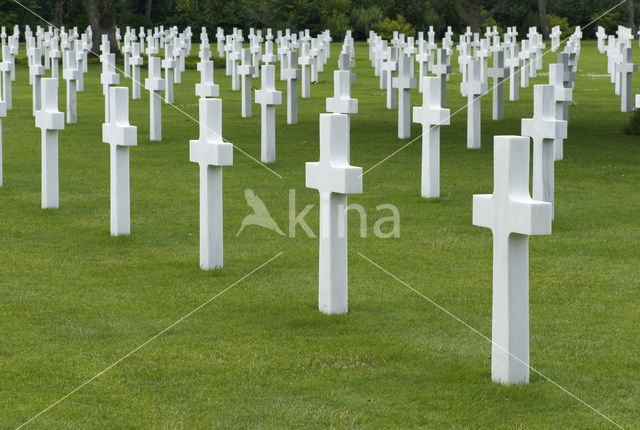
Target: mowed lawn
74	300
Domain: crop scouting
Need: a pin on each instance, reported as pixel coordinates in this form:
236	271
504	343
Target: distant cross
404	82
3	114
525	56
155	85
5	68
108	77
120	136
512	216
207	87
431	115
341	102
169	64
236	57
626	68
442	70
71	74
513	63
423	59
474	88
136	62
497	72
36	71
267	97
543	128
245	71
562	97
390	66
305	64
211	153
50	120
291	74
334	178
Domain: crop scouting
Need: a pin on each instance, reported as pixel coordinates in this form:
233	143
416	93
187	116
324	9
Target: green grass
73	299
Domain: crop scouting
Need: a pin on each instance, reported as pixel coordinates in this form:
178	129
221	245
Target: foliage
386	27
563	23
335	17
633	125
317	15
609	21
363	19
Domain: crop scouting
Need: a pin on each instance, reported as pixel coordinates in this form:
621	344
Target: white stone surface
543	128
291	74
168	64
135	62
206	87
474	88
71	74
334	178
497	72
512	216
211	153
155	85
245	70
49	120
562	96
431	115
404	83
267	97
626	68
120	136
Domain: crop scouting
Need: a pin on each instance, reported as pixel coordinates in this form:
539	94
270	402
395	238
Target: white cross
442	69
390	66
236	56
562	96
525	56
267	97
345	62
207	87
291	74
211	153
155	84
36	71
305	62
136	62
169	64
543	128
497	72
71	74
341	102
3	113
245	70
474	88
513	63
431	115
334	178
423	58
512	216
108	77
5	68
314	53
49	120
256	54
626	68
120	136
268	57
404	82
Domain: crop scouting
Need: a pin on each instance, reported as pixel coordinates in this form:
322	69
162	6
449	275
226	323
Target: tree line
361	16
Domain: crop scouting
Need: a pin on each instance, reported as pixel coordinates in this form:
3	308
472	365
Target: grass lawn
74	300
